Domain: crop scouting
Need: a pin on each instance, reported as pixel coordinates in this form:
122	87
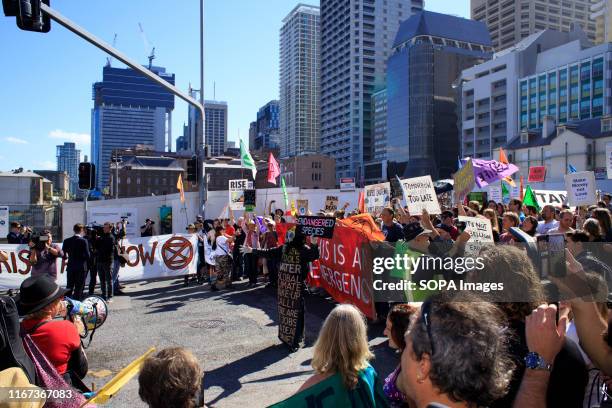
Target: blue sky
45	88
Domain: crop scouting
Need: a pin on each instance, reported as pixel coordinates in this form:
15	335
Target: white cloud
78	138
15	140
46	165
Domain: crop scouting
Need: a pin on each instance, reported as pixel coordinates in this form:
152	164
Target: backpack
12	353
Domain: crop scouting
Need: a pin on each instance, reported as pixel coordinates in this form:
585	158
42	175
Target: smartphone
556	255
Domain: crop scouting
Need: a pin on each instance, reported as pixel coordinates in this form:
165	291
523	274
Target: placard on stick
580	188
536	174
480	231
302	207
331	204
420	194
322	227
236	193
377	197
250	200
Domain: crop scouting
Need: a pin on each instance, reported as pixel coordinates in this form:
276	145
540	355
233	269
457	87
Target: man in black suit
76	249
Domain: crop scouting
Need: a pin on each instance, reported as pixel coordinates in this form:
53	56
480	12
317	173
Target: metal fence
38	217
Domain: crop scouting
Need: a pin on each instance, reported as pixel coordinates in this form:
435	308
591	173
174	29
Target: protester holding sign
294	258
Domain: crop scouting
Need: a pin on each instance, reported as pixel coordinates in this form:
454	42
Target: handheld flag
179	185
122	378
273	169
530	198
284	187
571	168
246	160
361	202
504	159
521	193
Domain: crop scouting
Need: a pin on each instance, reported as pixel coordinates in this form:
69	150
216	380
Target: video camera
39	240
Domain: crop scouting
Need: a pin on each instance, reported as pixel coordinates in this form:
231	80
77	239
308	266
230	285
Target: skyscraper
68	158
129	109
215	129
429	53
601	13
267	127
190	131
356	40
509	21
299	81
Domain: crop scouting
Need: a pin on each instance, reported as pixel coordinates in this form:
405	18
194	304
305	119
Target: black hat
36	292
445	227
413	230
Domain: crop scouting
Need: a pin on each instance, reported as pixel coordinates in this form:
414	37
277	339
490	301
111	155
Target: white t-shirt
544	227
209	254
222	246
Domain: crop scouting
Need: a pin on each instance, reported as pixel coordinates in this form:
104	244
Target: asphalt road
232	333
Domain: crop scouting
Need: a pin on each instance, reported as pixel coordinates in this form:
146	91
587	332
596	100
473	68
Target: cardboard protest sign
331	204
464	179
490	171
312	226
396	188
419	194
495	193
550	197
236	193
480	196
609	159
580	187
250	200
536	174
480	232
302	207
377	197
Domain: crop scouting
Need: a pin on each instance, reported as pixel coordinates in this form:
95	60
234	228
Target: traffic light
87	176
29	14
193	169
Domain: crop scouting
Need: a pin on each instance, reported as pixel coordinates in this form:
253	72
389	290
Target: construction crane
109	59
147	46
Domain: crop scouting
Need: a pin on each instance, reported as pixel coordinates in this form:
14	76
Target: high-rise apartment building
68	158
509	21
299	81
215	128
267	124
129	109
356	40
429	53
490	91
601	13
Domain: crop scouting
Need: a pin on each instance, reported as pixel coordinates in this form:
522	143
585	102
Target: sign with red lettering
536	174
154	257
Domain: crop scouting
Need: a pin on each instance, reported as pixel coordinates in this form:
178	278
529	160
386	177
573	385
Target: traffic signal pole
92	39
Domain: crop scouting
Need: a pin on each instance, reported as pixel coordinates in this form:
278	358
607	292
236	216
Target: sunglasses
426	314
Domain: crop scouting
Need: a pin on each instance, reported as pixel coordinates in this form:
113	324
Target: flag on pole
361	204
571	168
504	159
273	169
521	193
284	187
246	160
179	185
530	198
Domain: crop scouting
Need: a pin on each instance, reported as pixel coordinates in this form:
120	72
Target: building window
137	180
129	180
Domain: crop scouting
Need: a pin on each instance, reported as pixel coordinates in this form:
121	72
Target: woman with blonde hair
341	360
492	216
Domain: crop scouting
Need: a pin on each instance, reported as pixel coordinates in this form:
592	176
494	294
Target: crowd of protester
458	349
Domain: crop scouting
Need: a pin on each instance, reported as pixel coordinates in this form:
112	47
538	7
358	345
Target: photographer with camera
146	230
105	246
43	254
18	234
119	259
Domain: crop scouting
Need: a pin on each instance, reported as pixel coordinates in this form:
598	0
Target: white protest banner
302	207
236	193
377	197
580	187
609	159
4	221
159	256
495	193
480	233
420	194
100	215
331	204
551	197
